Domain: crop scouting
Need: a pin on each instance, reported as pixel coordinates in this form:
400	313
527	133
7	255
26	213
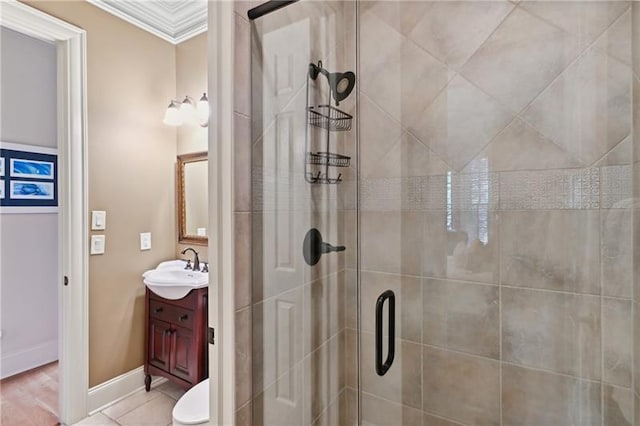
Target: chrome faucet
196	260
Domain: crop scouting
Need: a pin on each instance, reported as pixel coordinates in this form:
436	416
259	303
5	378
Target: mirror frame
183	237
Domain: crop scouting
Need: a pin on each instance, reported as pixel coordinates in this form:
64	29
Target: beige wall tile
402	16
461	387
553	331
460	254
402	383
462	316
617	407
520	59
243	357
587	110
585	20
439	31
409	157
243	415
520	147
381	134
460	122
383	412
635	36
536	398
242	163
616	40
391	241
617	253
636	348
334	414
621	154
242	259
242	66
429	420
408	303
558	250
617	341
400	77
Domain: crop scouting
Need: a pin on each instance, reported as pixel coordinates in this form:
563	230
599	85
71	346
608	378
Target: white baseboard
27	359
118	388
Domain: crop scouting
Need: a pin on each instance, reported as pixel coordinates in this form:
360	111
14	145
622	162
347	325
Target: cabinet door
159	344
184	357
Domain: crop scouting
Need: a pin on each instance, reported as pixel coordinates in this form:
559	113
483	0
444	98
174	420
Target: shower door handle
382	368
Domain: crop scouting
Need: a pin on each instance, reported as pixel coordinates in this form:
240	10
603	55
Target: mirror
193	202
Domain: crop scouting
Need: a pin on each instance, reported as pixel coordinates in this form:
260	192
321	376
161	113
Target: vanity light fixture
186	112
172	116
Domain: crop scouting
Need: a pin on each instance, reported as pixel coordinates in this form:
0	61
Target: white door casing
73	200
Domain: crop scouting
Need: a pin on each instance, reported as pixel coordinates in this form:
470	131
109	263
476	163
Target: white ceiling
172	20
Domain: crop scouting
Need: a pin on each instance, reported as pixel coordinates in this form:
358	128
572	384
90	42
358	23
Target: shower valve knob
313	247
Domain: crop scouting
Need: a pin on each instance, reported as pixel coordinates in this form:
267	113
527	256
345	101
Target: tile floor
142	408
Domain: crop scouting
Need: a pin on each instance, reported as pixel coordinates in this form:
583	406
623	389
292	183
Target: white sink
171	281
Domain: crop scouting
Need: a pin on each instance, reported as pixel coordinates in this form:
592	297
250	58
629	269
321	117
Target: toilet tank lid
193	406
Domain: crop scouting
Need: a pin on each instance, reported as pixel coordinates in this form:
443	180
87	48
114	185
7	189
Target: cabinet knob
157	310
183	317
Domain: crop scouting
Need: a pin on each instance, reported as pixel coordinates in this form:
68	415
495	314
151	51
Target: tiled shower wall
496	201
635	38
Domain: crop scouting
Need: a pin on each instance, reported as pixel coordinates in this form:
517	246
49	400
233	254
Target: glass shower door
495	204
302	172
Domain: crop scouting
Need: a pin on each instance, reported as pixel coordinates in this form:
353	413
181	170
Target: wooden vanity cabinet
176	338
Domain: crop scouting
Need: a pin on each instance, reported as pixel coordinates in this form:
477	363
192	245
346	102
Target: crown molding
174	21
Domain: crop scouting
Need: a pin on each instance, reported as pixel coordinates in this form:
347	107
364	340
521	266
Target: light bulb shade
188	110
203	111
172	116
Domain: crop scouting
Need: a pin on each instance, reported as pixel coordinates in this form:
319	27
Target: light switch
98	220
145	241
97	244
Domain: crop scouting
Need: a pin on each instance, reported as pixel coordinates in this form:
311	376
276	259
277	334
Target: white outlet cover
145	241
98	220
97	244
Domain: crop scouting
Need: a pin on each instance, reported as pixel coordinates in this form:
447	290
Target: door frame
73	262
221	176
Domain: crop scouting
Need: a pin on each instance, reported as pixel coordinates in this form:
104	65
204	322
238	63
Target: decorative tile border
587	188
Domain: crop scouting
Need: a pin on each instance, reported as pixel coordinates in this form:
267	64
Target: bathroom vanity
176	338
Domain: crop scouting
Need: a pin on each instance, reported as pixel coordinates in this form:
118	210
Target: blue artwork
23	190
31	169
30	181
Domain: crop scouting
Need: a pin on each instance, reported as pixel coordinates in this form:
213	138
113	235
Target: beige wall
191	79
131	76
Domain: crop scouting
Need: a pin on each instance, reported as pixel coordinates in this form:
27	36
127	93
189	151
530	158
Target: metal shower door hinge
212	336
66	280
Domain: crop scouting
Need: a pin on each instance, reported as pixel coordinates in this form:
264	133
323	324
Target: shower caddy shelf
330	119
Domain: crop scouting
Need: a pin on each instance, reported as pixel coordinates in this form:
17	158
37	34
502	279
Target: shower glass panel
496	203
303	176
471	207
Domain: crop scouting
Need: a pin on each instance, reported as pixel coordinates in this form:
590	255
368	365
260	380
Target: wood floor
30	398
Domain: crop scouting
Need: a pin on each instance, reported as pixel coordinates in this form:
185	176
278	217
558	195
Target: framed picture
30	190
30	182
22	168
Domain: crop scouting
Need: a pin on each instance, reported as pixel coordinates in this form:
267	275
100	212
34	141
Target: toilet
193	407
